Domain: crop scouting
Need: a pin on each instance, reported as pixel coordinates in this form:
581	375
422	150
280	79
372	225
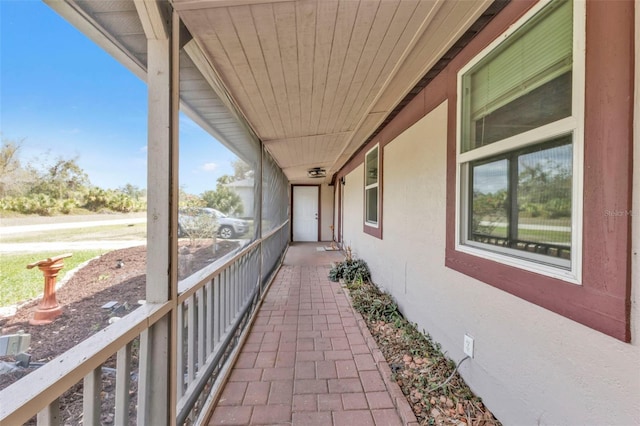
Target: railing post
123	381
50	415
91	404
157	387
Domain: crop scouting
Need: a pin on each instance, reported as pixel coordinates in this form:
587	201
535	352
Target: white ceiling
313	79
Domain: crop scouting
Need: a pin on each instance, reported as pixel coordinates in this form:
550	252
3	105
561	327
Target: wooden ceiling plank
285	16
225	47
306	30
344	28
211	105
195	85
365	64
450	22
406	21
408	50
207	4
352	71
264	19
211	46
325	23
363	132
244	23
189	74
199	95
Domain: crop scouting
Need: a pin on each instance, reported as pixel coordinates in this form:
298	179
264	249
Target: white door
305	213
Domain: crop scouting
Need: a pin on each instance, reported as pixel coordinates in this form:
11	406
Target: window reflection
489	217
522	200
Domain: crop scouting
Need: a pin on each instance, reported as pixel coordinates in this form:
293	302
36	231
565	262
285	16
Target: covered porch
295	90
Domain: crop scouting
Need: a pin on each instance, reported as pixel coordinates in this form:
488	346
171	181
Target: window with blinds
523	84
520	144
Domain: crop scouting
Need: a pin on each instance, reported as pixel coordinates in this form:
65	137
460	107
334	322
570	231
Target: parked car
228	227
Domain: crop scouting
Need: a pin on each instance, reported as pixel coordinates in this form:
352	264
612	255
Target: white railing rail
38	392
212	310
209	315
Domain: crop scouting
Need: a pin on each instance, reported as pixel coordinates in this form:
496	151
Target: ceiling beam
154	19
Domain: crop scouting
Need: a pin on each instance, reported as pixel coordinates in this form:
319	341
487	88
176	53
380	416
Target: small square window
371	187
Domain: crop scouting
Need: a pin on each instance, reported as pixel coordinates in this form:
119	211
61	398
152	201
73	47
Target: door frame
319	231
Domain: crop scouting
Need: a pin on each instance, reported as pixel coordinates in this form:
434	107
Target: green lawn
17	283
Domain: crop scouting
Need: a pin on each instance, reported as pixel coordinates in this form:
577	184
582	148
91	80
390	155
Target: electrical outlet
468	345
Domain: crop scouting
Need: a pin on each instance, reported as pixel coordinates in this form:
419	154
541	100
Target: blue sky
65	96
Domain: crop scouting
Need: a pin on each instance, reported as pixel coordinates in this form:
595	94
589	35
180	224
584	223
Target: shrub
40	204
350	270
97	199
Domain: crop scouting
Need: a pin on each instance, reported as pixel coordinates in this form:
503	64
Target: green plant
373	304
197	224
96	199
350	270
224	199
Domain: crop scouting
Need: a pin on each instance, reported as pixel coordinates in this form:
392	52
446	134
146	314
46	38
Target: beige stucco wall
531	366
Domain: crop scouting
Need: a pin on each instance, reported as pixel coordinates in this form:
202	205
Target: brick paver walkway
306	361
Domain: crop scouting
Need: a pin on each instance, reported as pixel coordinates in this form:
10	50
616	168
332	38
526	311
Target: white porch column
157	393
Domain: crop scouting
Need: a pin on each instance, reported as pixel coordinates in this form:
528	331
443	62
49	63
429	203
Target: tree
9	161
545	189
62	180
189	201
241	170
223	199
488	211
133	191
13	177
225	179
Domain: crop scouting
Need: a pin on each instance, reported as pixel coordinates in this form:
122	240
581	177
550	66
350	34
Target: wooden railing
213	308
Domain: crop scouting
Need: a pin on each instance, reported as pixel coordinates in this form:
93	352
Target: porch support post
157	392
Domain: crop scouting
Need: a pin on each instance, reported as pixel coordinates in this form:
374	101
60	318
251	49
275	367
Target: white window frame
372	186
572	124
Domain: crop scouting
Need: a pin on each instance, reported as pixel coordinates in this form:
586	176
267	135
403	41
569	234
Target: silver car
228	227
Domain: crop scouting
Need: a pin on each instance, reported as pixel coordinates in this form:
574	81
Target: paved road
69	246
21	229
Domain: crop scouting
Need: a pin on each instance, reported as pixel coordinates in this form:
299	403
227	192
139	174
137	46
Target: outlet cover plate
468	345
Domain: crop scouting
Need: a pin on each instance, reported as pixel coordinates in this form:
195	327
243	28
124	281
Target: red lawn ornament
48	309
